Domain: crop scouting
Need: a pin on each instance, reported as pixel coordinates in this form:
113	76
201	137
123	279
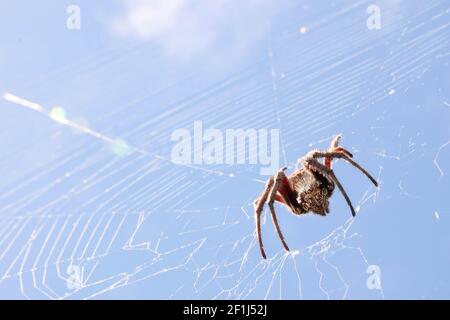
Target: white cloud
187	29
148	19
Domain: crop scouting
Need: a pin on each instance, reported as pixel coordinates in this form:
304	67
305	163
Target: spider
307	189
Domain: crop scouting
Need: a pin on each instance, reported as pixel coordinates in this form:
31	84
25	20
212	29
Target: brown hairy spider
307	189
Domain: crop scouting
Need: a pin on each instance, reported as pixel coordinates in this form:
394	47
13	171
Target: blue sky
92	207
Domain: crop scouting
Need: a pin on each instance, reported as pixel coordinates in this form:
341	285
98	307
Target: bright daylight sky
91	205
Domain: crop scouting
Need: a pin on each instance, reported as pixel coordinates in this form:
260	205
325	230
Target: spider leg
270	194
342	155
334	146
335	142
314	165
356	165
259	205
279	177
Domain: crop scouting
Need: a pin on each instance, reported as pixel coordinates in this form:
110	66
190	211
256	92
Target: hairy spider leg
259	205
334	147
328	161
279	178
277	189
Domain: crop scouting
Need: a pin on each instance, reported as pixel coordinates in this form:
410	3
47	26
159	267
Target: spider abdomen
315	200
313	191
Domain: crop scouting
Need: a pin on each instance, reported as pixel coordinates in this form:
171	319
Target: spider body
307	189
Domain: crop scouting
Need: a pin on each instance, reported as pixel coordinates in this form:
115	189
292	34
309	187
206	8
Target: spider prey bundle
307	189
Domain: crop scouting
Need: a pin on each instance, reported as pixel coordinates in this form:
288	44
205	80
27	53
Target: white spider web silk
82	222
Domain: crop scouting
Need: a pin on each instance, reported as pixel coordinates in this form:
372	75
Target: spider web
92	207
